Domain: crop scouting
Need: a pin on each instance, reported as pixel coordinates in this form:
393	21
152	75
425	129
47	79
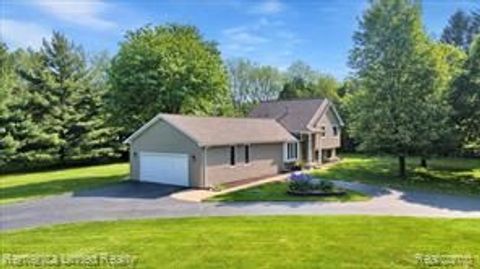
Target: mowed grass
444	175
20	187
277	191
259	242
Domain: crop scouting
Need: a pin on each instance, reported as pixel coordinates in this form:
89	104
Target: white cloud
82	12
265	40
243	35
22	34
268	7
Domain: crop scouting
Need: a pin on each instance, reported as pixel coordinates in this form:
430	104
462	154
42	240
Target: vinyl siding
329	140
265	160
162	137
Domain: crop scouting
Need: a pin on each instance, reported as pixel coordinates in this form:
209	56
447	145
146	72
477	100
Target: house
314	122
208	151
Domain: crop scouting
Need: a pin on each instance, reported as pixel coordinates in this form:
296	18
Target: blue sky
274	32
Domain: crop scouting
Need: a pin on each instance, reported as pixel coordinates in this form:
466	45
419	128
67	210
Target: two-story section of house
314	122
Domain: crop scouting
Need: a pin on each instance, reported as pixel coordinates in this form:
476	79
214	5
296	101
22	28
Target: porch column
309	149
320	156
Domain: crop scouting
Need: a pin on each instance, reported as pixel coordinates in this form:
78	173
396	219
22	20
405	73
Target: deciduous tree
167	68
392	109
465	99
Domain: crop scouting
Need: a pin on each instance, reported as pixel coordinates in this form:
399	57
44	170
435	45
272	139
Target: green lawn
445	175
258	242
19	187
277	191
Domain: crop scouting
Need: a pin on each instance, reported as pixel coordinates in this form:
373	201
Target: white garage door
166	168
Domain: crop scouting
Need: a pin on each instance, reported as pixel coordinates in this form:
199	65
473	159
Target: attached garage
165	168
206	151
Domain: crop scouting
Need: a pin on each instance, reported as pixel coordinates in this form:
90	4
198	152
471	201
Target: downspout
204	167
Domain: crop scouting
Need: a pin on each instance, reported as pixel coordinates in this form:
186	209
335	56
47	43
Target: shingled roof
294	115
217	131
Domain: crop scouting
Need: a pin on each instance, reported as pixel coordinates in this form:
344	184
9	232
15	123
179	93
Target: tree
28	138
295	88
324	86
7	82
439	135
461	29
241	80
302	70
252	83
267	83
391	110
54	113
100	139
465	99
167	68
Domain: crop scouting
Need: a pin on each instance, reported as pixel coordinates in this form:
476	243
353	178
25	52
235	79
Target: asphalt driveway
132	200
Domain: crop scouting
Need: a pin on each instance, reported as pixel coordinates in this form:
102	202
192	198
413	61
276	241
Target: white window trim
285	152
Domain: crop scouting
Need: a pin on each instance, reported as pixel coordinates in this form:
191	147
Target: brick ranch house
207	151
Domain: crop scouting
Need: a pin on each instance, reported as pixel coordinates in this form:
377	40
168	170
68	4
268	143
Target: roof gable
295	115
328	108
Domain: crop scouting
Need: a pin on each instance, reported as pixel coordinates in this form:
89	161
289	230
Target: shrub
301	182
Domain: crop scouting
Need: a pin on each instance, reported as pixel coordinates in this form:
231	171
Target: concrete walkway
198	195
131	200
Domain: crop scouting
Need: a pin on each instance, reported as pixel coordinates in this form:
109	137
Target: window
291	151
247	154
232	155
322	131
335	130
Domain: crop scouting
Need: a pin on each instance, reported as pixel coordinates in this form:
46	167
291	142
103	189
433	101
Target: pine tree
28	139
100	139
6	83
461	29
55	114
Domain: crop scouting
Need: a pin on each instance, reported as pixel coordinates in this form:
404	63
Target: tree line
409	94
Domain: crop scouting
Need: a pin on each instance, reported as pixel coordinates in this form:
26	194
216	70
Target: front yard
20	187
258	242
444	175
447	175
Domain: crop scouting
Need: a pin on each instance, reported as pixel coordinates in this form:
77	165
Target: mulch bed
317	193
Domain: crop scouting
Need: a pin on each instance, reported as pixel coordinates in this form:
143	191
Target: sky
272	32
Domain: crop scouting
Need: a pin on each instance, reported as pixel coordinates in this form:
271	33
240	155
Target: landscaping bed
278	191
337	192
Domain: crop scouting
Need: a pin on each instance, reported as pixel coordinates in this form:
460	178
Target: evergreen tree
100	139
27	135
461	29
7	81
55	112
